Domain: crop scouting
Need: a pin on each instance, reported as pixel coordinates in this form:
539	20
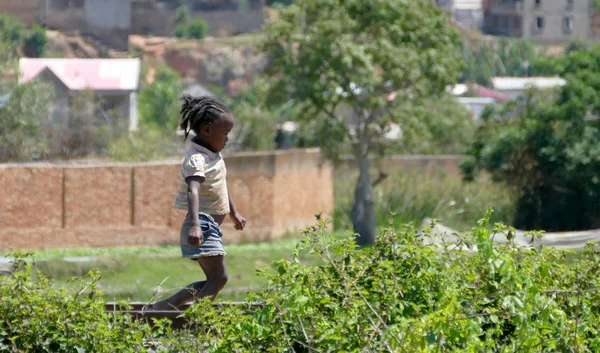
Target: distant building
114	81
110	22
466	12
476	105
515	87
542	21
475	97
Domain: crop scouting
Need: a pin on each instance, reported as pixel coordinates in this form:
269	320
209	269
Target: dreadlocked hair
198	111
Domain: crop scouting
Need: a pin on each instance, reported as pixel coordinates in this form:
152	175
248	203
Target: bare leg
216	276
183	296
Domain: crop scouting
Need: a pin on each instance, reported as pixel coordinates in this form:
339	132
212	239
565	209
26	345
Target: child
203	193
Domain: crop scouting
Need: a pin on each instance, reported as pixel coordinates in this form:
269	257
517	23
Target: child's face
216	135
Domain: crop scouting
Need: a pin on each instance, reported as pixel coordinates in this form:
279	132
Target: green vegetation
358	60
156	137
22	132
35	42
14	35
147	144
188	27
412	196
160	102
508	57
547	149
397	295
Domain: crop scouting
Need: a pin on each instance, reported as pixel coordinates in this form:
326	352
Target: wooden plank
142	311
140	306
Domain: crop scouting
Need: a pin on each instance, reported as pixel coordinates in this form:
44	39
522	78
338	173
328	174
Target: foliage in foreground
398	295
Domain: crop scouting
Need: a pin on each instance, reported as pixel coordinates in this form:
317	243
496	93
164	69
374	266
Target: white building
515	87
467	12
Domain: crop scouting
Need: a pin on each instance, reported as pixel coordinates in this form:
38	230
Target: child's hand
239	222
195	237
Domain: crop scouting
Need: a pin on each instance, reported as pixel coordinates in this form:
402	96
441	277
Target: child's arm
238	220
195	237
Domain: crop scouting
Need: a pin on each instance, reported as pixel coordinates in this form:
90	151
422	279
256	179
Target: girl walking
203	193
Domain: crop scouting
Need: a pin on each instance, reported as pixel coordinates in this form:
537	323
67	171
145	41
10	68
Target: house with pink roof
114	82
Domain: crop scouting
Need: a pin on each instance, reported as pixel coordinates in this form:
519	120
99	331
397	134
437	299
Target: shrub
196	28
159	102
402	295
35	41
425	193
34	317
23	114
146	144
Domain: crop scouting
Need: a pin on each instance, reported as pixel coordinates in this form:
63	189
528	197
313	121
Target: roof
521	83
478	91
83	74
484	92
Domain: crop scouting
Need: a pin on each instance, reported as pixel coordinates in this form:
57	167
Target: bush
196	28
34	317
400	294
159	103
12	30
425	193
88	130
35	41
146	144
23	115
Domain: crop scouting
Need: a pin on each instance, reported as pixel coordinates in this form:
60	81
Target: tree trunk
363	210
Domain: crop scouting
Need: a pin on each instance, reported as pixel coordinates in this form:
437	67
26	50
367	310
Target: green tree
505	58
187	27
11	29
255	123
159	102
35	41
24	111
362	57
182	15
548	149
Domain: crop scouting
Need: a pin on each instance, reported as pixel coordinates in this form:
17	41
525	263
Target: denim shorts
212	245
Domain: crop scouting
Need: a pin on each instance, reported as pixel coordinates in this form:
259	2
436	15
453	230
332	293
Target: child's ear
206	130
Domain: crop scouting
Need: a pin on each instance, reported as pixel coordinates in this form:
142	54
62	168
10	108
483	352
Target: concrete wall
520	18
161	22
109	21
26	10
50	206
554	14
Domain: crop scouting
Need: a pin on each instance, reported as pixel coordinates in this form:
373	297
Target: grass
432	193
135	274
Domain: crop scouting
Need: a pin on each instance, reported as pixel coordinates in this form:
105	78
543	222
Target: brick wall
50	206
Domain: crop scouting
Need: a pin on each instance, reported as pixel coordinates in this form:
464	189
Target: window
539	23
568	24
538	4
570	4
